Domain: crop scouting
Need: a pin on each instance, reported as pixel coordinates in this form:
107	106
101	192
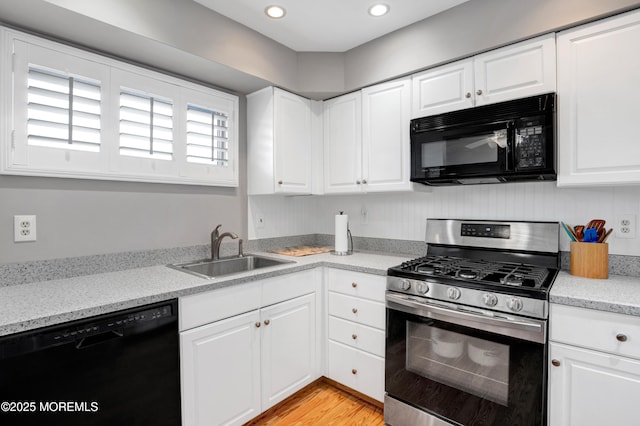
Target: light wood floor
321	404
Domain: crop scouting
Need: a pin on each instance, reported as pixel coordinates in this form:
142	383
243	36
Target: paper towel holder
349	246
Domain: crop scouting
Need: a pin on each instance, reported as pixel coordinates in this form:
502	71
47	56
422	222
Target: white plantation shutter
74	114
146	125
63	111
207	136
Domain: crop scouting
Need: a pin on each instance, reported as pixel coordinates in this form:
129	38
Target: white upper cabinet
443	89
279	132
598	109
516	71
366	139
385	136
343	143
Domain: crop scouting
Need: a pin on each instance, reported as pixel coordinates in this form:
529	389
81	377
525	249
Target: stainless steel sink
216	268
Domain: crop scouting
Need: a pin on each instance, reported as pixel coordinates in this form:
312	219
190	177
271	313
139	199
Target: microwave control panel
530	143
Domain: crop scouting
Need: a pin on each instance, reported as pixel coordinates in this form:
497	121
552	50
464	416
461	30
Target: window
207	136
146	125
63	111
77	114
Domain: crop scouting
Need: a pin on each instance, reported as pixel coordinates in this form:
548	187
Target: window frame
18	50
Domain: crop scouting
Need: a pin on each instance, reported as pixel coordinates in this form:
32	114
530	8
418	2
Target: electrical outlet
626	226
259	221
364	215
24	228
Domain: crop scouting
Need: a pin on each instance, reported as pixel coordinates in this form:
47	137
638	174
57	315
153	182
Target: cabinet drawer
605	331
357	335
362	311
203	308
357	284
357	369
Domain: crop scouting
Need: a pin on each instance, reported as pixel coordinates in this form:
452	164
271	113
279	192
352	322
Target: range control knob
423	288
404	285
453	293
514	304
490	299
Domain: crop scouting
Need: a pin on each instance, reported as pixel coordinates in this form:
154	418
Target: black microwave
502	142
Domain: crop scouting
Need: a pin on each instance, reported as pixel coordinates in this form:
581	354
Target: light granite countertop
28	306
619	293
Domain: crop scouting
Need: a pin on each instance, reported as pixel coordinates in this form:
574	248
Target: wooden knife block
590	260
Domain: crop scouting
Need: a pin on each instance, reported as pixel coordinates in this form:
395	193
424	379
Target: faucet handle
240	251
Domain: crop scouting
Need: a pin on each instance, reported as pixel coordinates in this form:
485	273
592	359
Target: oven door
462	366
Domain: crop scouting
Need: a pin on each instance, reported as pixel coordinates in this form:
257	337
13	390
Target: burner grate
504	273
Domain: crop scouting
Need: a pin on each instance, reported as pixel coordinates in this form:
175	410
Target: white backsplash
402	215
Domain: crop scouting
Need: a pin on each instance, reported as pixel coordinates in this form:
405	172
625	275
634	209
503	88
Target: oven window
473	365
464	150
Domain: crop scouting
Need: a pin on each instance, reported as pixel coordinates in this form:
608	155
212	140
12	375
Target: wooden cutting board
299	251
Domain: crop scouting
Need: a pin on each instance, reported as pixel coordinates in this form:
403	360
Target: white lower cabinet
356	334
235	368
221	371
594	371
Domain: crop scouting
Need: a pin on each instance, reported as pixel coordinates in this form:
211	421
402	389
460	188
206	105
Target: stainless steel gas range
467	325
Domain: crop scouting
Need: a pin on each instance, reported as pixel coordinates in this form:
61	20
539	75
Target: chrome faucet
216	239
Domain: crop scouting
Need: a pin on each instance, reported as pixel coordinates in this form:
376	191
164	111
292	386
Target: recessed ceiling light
378	9
275	12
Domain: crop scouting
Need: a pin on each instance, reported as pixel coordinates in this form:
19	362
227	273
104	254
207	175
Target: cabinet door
598	109
590	388
343	144
292	136
443	89
385	136
516	71
289	348
220	370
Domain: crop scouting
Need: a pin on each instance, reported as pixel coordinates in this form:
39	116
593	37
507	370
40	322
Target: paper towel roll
341	241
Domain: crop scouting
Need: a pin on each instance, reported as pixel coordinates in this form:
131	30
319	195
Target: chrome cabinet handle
354	371
354	310
354	336
267	322
279	182
354	284
621	337
364	181
357	182
479	92
467	95
258	324
555	363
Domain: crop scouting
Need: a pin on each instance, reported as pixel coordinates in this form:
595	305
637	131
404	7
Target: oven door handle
527	329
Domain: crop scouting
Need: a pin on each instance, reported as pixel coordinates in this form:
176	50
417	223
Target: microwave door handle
531	330
510	152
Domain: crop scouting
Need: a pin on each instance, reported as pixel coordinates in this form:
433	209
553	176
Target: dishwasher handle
98	339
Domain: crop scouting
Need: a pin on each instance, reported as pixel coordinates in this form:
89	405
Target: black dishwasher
121	368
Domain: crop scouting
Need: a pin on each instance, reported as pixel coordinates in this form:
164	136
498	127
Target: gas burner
426	269
466	274
513	279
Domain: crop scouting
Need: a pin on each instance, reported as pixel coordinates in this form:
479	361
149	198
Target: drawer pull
354	371
354	336
354	310
267	322
258	324
621	337
354	285
555	363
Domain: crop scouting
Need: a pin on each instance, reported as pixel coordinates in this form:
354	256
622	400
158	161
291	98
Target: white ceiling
327	25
